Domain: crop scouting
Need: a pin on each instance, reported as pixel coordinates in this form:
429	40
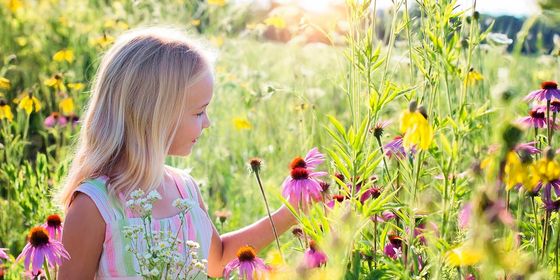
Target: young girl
148	101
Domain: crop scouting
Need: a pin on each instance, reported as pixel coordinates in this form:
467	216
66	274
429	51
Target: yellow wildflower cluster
528	175
28	103
417	130
64	55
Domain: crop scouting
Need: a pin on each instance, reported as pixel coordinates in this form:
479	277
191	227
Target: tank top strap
185	184
109	207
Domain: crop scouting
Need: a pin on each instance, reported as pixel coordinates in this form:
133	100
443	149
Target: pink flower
54	227
313	257
528	148
41	248
464	217
548	91
302	187
311	160
3	254
384	217
536	119
55	119
248	263
335	198
393	249
373	192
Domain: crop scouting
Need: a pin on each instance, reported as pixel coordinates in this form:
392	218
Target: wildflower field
436	137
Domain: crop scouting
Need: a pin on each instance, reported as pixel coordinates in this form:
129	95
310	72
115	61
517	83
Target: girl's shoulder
184	174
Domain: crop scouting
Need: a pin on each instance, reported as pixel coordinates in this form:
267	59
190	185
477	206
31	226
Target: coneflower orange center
300	173
313	245
55	115
536	114
395	240
297	162
338	197
549	85
246	253
54	221
38	236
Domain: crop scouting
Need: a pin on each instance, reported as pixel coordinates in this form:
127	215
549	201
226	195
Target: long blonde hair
132	115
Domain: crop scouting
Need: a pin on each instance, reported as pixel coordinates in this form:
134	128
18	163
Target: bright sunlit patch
318	6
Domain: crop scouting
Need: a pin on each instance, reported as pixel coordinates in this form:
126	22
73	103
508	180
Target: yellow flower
4	83
514	171
64	54
66	105
56	82
417	130
474	76
76	86
219	3
546	170
14	5
104	41
195	22
464	256
241	123
28	103
5	111
275	21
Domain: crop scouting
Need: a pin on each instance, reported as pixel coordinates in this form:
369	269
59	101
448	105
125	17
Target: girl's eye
200	114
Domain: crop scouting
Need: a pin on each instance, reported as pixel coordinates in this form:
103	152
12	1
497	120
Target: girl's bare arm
224	248
83	236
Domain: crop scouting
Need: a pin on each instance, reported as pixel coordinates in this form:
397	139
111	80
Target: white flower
199	265
181	204
153	196
193	244
498	39
137	194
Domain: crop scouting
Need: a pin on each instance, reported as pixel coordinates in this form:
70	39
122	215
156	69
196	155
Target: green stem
269	215
536	225
46	267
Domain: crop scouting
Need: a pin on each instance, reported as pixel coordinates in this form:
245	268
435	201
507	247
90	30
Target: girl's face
194	118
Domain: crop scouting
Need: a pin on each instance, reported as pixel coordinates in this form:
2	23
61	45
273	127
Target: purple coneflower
41	248
384	217
337	198
3	254
548	91
301	186
528	148
55	119
250	266
395	148
393	249
536	118
54	227
313	257
372	192
313	158
554	106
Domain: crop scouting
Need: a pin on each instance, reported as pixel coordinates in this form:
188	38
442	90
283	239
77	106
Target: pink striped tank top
117	263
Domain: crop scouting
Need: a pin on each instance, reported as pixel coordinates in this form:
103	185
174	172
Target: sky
494	7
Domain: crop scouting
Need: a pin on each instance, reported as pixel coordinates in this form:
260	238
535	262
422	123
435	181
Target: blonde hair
132	116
